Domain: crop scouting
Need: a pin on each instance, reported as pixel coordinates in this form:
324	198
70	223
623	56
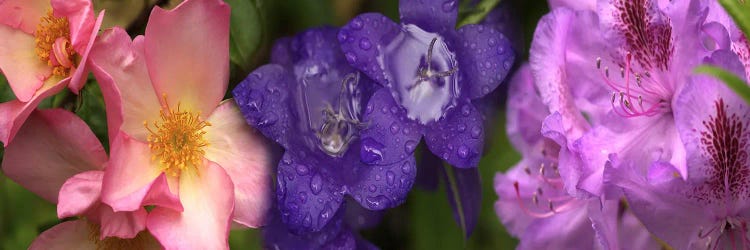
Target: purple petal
335	235
662	205
458	138
569	230
617	228
263	99
307	192
389	137
358	217
713	122
485	56
378	187
362	40
525	111
464	190
430	15
573	4
504	20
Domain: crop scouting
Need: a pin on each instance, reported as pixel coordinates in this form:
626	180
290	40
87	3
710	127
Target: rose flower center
177	141
52	37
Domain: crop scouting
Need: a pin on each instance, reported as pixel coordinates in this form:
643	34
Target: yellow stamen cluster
47	31
178	140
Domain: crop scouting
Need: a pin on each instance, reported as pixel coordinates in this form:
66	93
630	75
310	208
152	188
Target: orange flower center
177	141
52	37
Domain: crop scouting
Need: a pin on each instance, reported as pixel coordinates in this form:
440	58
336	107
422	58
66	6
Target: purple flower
709	210
612	75
533	202
720	32
339	233
431	73
310	101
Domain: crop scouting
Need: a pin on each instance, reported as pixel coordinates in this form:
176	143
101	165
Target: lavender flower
709	210
310	101
533	203
612	75
430	72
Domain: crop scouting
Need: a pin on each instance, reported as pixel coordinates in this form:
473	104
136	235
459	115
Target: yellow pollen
177	141
49	31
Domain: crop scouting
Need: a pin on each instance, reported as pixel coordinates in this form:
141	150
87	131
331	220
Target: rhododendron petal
67	235
23	14
51	147
241	151
186	66
20	64
120	67
79	194
207	194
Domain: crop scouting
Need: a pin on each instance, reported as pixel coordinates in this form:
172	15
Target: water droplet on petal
390	178
351	57
463	151
308	221
466	110
379	202
269	119
449	5
373	188
394	128
302	197
410	146
302	170
476	131
364	43
406	167
357	24
316	184
371	151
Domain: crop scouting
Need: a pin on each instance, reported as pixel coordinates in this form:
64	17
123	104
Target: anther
622	72
598	62
606	71
539	191
527	170
551	207
535	199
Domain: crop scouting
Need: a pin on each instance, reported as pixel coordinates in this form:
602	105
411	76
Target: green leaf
475	14
740	12
734	82
245	32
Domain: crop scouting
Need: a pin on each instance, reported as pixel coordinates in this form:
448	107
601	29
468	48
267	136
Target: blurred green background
425	221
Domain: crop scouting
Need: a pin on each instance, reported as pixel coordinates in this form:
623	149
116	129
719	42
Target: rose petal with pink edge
243	153
120	66
79	194
121	224
80	15
23	68
67	235
208	197
130	174
23	14
78	79
51	147
191	70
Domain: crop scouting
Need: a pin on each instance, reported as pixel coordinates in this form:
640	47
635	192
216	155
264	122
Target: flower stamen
178	139
52	38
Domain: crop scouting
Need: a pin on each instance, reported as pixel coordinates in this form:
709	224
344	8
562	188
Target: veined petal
51	147
120	67
243	153
20	64
190	70
23	14
207	195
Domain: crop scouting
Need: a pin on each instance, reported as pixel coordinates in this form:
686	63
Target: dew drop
476	131
406	167
379	202
449	5
410	146
316	184
365	44
302	170
357	24
371	151
463	151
